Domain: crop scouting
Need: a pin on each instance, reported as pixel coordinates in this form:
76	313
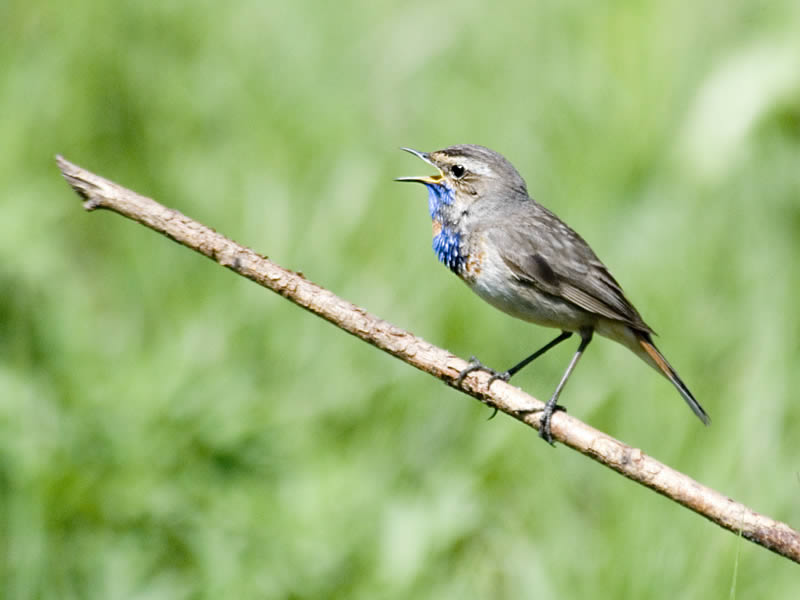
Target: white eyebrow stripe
479	168
471	165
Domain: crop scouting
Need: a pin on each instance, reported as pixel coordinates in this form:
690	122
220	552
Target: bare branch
630	462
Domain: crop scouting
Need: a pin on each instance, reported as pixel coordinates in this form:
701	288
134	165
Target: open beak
426	179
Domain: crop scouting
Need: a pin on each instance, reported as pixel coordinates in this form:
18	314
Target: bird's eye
458	171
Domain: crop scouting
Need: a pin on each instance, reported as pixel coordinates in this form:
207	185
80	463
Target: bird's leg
476	365
552	404
522	364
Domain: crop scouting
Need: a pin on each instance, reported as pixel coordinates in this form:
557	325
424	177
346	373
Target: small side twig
630	462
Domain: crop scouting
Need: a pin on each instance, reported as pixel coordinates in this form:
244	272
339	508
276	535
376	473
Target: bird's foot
476	365
544	423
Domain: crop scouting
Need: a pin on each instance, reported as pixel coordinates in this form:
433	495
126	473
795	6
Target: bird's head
467	174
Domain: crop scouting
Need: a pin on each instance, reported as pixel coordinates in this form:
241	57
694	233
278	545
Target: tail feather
657	360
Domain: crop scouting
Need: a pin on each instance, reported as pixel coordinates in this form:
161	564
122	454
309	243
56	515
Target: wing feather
544	252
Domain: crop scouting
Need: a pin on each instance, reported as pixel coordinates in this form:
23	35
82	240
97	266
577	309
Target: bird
525	261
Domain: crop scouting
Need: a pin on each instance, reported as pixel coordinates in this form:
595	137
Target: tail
652	356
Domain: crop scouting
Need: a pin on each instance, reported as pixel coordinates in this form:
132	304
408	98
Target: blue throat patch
446	243
438	195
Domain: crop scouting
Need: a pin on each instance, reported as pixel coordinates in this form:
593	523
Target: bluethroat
521	258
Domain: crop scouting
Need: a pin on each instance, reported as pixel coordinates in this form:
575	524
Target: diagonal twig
98	192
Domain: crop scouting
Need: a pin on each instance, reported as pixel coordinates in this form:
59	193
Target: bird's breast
458	251
488	275
449	248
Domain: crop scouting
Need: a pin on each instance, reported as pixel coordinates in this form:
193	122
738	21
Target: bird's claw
476	365
544	422
504	376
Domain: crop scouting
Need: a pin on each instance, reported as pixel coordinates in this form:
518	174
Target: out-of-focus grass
169	430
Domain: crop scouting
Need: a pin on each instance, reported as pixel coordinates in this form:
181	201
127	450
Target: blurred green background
170	430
